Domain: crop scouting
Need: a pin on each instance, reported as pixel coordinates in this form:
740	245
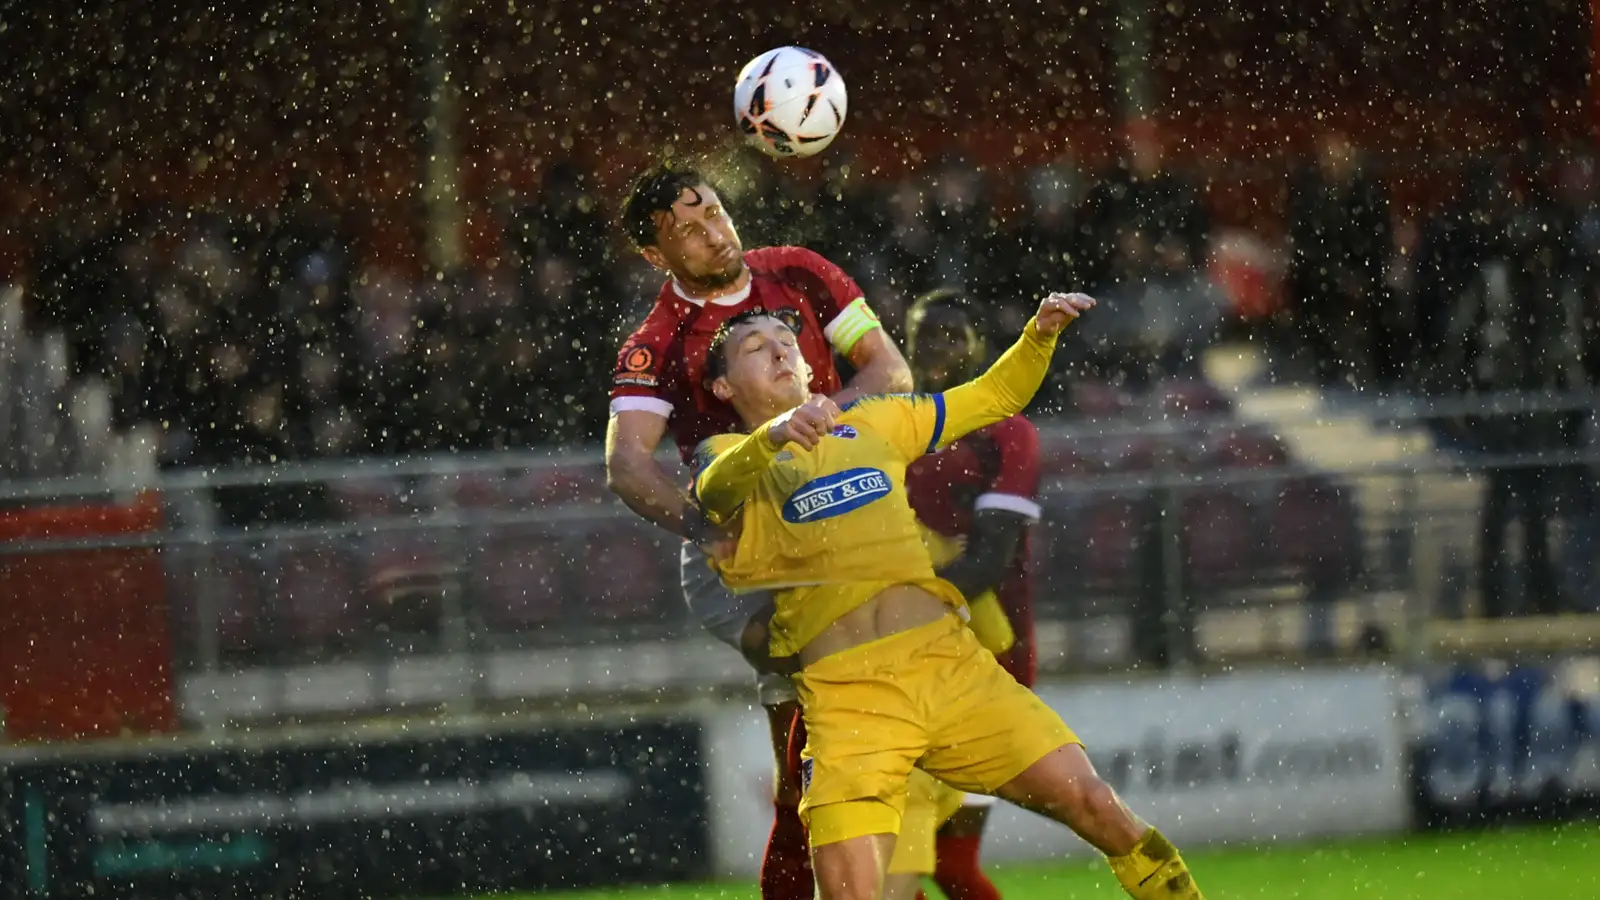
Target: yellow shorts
929	804
929	698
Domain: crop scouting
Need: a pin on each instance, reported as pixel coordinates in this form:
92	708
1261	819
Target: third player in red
983	490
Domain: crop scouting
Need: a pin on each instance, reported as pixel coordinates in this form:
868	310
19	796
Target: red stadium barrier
84	643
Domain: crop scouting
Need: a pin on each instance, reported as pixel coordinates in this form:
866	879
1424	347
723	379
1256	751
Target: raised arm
1009	385
848	322
880	368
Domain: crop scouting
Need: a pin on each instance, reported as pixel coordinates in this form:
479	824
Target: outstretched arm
880	369
1009	385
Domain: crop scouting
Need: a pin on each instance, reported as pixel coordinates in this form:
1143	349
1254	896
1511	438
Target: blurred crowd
259	336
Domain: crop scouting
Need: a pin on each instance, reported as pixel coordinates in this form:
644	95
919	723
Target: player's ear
653	255
721	390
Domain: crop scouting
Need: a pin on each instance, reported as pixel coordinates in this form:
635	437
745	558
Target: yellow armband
853	323
990	624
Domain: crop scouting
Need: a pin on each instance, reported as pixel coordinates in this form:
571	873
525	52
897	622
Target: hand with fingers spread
806	424
1058	310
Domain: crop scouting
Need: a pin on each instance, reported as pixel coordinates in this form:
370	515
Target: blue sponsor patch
844	431
805	775
835	495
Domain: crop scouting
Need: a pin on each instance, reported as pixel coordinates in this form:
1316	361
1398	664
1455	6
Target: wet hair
717	353
654	191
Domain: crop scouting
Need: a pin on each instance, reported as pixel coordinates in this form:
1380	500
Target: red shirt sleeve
1016	482
825	285
648	373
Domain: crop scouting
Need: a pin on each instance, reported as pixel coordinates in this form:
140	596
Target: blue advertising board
1506	744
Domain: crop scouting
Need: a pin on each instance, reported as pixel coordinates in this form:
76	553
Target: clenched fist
1056	310
806	424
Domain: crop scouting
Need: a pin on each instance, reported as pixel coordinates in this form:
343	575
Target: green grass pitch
1523	864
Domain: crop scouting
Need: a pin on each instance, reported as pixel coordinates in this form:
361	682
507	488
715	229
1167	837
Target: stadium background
310	581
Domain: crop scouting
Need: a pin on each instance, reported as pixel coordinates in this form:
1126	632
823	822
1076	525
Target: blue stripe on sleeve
938	422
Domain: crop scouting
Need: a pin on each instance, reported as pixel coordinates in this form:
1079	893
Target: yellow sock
1153	870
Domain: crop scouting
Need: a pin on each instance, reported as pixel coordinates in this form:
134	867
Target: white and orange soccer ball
789	102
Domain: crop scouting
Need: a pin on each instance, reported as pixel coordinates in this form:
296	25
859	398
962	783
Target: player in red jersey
679	225
982	489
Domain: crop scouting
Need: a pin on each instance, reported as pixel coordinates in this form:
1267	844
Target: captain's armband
852	324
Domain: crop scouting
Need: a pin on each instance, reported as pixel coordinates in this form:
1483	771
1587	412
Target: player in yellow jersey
889	677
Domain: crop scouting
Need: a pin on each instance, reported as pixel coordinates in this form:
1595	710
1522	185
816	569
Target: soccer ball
789	102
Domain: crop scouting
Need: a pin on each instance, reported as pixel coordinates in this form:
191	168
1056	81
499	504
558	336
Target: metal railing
1152	549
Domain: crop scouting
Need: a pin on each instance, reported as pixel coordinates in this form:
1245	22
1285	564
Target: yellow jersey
826	529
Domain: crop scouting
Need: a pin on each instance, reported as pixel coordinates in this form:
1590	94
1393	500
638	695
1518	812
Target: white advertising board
1271	755
739	772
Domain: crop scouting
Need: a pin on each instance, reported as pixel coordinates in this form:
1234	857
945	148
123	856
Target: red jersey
993	468
661	365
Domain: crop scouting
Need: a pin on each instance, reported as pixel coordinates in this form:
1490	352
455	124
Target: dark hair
654	191
944	300
716	354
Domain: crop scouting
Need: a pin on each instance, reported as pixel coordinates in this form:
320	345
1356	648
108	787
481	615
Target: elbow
621	467
714	506
899	377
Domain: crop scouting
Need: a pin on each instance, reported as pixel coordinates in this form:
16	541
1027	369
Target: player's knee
850	881
847	892
858	889
901	886
852	867
1100	798
1085	796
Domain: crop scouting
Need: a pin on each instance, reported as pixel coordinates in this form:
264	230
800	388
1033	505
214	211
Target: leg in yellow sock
1153	870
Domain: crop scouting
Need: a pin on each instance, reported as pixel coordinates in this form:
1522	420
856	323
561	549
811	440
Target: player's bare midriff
891	611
